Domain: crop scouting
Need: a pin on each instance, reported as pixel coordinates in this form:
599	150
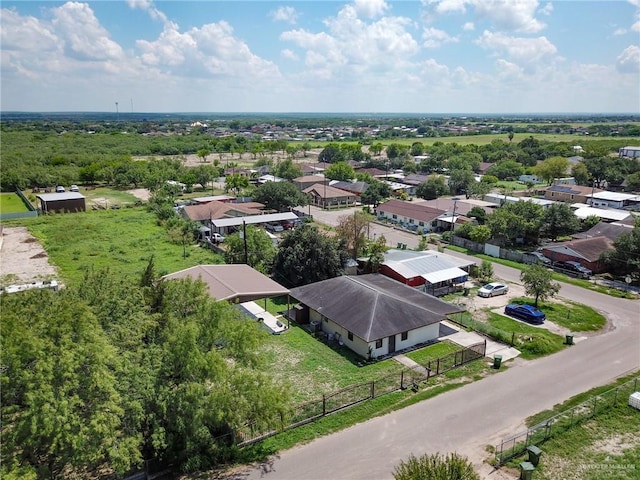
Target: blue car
528	313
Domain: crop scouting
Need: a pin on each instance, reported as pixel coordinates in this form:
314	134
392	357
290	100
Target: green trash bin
534	455
497	361
569	339
526	471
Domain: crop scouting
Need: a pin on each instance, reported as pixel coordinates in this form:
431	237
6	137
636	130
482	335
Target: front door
392	343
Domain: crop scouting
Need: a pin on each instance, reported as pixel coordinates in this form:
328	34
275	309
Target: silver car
493	289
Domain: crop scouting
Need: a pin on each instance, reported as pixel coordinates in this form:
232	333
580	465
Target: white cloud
433	38
25	33
370	8
150	8
510	15
619	31
629	60
526	52
547	9
84	37
352	46
285	14
468	26
448	6
289	54
636	26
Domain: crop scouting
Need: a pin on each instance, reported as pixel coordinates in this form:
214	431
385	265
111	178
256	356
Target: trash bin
526	471
569	339
497	361
534	455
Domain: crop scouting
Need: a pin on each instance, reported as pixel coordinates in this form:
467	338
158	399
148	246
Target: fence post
373	388
513	338
401	379
438	366
484	351
324	405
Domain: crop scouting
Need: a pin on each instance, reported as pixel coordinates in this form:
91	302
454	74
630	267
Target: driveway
467	419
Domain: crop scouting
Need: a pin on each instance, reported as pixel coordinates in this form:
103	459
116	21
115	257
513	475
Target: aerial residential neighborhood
352	240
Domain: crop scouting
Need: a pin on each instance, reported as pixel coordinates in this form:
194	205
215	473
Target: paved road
481	413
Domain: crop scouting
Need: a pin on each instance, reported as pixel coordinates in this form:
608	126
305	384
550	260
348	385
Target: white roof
611	214
410	264
52	197
444	275
219	198
614	196
252	219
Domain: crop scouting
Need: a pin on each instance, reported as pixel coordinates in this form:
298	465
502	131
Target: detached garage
62	202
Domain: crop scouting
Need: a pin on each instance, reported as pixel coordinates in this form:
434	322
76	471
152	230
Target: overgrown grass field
571	315
121	240
12	203
533	342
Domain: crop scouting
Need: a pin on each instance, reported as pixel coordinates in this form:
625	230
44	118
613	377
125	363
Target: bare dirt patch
23	259
140	193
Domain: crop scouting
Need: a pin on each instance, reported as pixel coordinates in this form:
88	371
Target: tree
552	168
480	234
485	271
331	154
433	188
435	467
478	213
288	170
352	230
538	282
559	220
513	221
376	253
236	182
279	196
340	171
376	148
506	169
625	256
203	153
306	256
460	181
375	193
580	173
259	248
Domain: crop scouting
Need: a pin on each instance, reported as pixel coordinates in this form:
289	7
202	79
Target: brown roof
588	249
216	209
327	191
417	211
230	282
309	179
604	229
572	189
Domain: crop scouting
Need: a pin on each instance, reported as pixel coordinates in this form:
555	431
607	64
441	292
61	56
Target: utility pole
244	235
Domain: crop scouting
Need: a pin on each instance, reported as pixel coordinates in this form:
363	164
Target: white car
217	238
493	289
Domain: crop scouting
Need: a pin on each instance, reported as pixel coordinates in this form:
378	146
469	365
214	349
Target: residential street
467	419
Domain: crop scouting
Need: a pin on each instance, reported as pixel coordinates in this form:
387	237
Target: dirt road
22	258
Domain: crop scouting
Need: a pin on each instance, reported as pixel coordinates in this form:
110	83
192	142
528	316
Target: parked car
274	227
217	238
575	267
60	189
540	258
528	313
493	289
74	188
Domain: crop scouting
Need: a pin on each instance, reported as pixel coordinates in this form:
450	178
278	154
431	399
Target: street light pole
453	218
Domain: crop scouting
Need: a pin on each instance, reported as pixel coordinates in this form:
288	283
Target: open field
575	317
120	240
11	203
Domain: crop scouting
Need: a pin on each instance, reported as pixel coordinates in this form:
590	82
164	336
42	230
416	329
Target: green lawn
574	316
603	447
12	203
121	240
432	352
533	342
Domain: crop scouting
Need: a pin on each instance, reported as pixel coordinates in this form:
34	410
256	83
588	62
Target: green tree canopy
352	231
552	168
306	256
433	188
625	257
288	170
259	248
559	220
340	171
538	282
279	196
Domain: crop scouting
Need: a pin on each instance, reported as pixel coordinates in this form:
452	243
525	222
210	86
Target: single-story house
326	196
604	214
432	271
241	285
314	168
613	200
603	229
233	283
569	193
62	202
416	179
372	315
499	199
355	187
586	251
400	187
629	152
410	214
204	213
307	181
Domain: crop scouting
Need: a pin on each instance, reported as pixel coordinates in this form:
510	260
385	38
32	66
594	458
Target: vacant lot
22	259
11	203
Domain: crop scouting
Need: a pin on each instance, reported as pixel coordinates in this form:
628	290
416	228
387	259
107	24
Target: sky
369	56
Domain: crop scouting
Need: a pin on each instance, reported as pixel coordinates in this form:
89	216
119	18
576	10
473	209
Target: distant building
629	152
62	202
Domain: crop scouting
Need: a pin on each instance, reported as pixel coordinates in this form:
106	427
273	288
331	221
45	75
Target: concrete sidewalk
449	331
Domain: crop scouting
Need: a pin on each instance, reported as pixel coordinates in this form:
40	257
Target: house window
571	197
553	194
350	336
411	220
379	343
404	336
421	224
394	216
